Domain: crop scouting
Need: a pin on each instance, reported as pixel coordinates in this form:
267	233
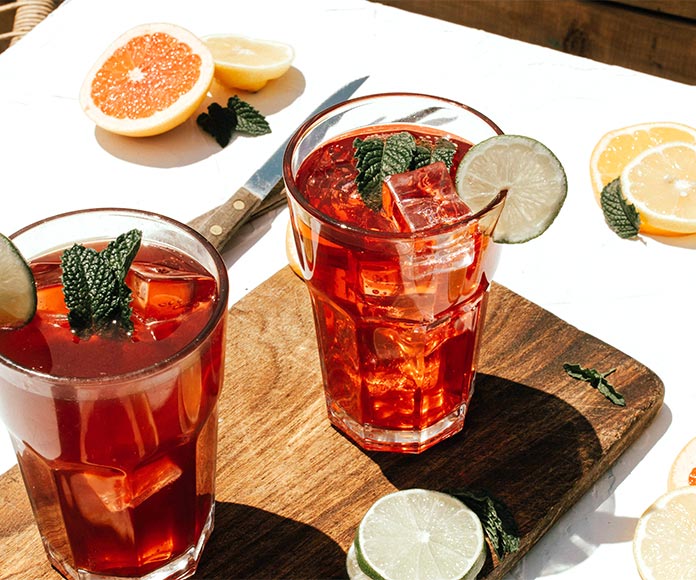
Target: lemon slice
620	146
533	176
683	470
248	63
17	287
661	184
664	539
419	533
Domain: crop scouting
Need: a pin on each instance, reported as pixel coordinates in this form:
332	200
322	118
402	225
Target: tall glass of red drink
116	435
399	291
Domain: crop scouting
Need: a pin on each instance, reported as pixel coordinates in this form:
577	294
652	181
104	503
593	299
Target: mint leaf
621	216
421	157
121	252
377	158
498	523
597	380
94	288
249	120
220	122
427	153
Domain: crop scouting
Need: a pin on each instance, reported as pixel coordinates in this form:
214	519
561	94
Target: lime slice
531	173
419	533
352	566
17	287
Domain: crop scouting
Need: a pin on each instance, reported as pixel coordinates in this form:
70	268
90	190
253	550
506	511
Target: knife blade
262	191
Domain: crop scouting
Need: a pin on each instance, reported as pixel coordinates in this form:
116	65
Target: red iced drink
398	293
116	434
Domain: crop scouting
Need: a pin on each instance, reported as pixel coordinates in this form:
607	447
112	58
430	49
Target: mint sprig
620	215
498	523
238	116
597	380
427	153
249	120
94	285
378	157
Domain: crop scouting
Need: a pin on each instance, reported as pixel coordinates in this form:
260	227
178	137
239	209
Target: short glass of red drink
116	436
398	285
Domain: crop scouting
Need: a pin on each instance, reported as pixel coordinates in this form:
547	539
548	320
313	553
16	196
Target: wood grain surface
657	37
291	489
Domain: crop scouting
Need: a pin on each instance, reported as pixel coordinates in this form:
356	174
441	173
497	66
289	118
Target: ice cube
147	480
380	280
422	198
160	292
97	492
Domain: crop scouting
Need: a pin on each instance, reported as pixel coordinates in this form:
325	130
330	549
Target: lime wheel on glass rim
17	287
533	176
530	172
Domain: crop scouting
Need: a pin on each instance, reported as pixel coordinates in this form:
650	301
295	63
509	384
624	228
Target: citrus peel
248	63
619	147
149	80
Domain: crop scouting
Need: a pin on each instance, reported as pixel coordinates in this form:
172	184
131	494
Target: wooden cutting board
291	489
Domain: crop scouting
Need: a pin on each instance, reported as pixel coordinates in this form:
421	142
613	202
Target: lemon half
248	63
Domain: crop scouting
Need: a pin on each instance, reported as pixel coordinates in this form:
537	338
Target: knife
262	191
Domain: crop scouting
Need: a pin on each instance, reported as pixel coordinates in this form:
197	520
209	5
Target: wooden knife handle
220	225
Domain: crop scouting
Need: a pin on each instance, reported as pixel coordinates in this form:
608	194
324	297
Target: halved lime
532	175
419	533
17	287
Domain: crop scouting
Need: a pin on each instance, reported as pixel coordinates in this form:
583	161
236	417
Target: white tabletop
634	295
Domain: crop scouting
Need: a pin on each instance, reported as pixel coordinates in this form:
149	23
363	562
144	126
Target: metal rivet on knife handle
219	227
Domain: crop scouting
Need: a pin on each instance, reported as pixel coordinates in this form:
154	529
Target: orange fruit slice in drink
661	184
248	63
148	81
619	147
683	470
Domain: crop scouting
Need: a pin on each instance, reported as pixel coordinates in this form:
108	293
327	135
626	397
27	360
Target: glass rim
296	195
161	366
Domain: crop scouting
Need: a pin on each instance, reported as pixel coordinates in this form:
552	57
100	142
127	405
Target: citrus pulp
532	175
248	63
661	183
148	81
17	287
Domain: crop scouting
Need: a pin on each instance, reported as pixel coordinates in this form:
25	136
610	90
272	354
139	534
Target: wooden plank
291	489
647	41
679	8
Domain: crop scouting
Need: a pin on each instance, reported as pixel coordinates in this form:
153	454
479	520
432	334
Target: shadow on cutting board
526	447
276	546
